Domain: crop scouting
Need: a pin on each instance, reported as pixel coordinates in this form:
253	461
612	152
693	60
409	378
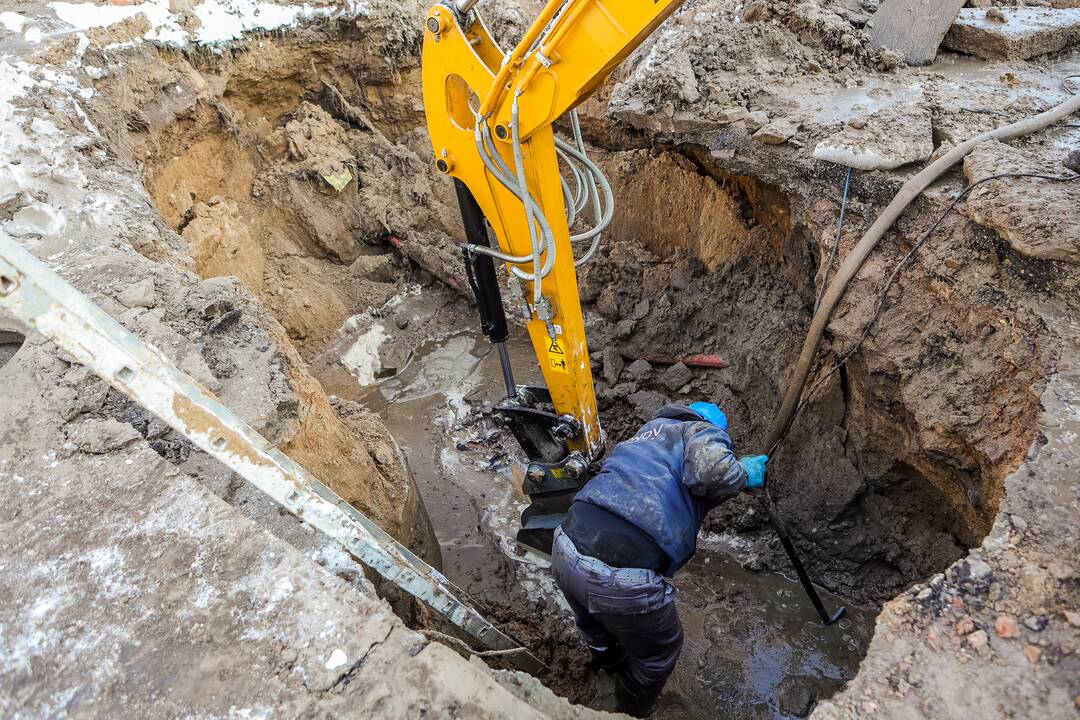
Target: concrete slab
1037	217
1025	33
896	136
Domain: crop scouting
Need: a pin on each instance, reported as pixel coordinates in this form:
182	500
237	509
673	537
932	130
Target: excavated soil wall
232	154
699	259
297	164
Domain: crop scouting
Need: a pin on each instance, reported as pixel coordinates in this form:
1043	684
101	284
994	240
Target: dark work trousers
631	607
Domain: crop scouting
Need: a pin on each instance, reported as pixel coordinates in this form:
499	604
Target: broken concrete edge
1013	33
37	296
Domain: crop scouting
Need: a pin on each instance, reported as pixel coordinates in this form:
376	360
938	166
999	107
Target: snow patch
12	21
219	20
337	659
84	16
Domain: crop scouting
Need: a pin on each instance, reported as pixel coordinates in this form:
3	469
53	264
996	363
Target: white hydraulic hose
501	172
519	162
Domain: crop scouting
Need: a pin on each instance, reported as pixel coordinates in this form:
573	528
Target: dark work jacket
664	479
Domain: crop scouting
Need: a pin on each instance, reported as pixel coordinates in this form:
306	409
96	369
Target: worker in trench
629	531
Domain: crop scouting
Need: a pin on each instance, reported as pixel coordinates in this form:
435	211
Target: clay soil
704	261
296	170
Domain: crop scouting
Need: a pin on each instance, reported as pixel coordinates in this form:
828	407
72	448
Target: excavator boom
491	119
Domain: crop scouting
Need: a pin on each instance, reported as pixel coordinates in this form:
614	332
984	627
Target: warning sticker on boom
556	357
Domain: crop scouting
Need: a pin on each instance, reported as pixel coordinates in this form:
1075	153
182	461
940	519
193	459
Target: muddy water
753	648
470	485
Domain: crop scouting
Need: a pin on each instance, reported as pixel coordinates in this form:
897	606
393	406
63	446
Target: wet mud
754	647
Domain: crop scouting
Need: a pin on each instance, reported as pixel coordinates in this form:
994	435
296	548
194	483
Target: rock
140	294
964	627
1006	626
641	310
155	428
756	12
898	135
889	60
1031	214
1072	161
1072	617
639	369
101	436
676	376
978	639
974	575
924	594
680	68
1035	623
1016	33
756	120
613	364
682	274
796	699
1032	653
776	132
646	403
733	114
213	297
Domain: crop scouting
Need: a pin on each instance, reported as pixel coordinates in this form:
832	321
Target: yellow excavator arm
490	116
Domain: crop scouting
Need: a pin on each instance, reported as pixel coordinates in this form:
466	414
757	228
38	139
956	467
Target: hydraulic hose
519	164
854	262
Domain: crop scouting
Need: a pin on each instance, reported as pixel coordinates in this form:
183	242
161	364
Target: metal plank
37	296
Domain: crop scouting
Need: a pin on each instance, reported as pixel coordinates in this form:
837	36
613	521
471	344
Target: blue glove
754	465
712	413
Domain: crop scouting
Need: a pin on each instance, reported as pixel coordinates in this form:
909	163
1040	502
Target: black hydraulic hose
480	269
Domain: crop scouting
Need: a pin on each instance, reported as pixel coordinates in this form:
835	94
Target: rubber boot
634	699
611	660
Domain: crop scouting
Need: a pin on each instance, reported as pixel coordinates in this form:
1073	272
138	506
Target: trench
303	173
10	342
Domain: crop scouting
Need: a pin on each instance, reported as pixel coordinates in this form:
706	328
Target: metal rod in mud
800	570
37	296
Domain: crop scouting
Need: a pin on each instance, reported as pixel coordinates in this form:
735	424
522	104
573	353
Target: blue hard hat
712	413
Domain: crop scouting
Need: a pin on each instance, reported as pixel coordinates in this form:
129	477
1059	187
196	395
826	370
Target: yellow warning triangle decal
555	347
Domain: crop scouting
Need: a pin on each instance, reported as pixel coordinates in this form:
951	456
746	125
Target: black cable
882	295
